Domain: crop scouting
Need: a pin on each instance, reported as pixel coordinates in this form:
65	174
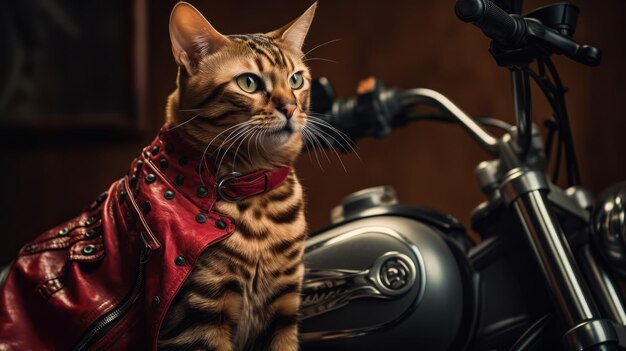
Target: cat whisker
346	141
316	138
193	109
258	133
239	134
313	116
254	133
233	133
306	145
320	45
343	135
203	109
185	122
318	145
307	133
319	114
320	134
330	145
248	133
203	159
239	141
319	59
232	137
265	131
256	142
319	125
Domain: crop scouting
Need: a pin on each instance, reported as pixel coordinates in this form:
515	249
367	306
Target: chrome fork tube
526	191
604	287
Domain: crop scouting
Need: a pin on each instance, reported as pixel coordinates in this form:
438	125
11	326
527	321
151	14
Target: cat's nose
287	109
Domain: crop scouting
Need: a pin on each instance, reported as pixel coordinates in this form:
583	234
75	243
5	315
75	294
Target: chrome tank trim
326	290
349	333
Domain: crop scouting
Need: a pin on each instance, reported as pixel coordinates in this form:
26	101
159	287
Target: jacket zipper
108	321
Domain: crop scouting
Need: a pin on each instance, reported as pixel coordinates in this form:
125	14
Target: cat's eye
248	82
296	80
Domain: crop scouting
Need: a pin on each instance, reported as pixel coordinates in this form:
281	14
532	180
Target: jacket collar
185	168
169	187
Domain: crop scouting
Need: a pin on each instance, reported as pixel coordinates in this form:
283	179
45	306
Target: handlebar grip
495	22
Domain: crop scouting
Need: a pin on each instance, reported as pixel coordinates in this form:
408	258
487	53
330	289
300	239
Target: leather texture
255	183
130	251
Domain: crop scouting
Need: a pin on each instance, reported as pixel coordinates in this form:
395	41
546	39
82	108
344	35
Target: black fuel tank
381	282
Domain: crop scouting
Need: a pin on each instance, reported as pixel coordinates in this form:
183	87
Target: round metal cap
609	226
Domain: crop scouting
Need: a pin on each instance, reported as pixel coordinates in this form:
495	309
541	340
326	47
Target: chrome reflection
419	267
324	290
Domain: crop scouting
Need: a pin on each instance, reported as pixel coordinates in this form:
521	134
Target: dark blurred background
50	170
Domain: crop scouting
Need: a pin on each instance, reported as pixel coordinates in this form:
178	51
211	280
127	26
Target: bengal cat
242	100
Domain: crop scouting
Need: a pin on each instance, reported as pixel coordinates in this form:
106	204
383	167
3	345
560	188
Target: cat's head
240	92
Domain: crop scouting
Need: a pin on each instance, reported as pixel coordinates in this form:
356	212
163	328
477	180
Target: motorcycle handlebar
377	110
492	20
513	32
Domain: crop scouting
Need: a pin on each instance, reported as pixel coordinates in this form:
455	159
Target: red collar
183	166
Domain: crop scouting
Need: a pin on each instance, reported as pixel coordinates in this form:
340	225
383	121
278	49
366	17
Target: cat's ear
295	32
192	36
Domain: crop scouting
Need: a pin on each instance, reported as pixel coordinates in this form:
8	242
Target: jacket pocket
46	259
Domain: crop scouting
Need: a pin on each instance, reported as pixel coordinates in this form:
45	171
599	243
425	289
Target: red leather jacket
105	279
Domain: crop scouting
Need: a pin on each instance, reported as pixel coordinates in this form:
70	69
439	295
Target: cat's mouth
281	134
287	128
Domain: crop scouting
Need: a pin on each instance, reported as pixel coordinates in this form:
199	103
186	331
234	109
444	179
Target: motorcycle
546	273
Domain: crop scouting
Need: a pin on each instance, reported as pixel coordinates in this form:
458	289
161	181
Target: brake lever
517	40
551	41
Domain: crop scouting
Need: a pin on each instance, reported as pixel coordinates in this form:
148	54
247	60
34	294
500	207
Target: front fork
525	191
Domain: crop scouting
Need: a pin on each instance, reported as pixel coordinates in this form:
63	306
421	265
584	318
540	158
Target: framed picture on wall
72	67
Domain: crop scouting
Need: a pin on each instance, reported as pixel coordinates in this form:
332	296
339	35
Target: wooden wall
403	42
